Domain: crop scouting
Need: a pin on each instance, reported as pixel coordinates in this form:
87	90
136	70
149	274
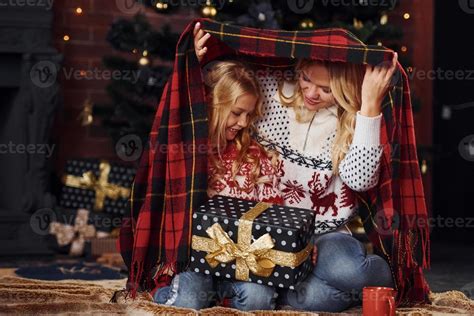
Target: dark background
453	176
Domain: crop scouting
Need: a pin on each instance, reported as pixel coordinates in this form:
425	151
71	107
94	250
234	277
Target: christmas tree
136	92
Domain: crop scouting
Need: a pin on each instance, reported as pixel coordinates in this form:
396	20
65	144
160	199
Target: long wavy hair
227	81
345	81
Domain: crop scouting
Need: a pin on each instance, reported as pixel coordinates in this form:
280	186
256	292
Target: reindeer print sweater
242	186
307	179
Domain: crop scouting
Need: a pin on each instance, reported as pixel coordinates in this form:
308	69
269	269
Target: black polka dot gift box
97	185
255	242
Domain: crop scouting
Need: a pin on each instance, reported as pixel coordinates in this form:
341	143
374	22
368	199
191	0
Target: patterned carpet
74	297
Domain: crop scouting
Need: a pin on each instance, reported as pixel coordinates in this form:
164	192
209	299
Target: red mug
378	301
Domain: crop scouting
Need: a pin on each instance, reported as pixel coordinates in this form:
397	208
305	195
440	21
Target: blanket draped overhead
171	180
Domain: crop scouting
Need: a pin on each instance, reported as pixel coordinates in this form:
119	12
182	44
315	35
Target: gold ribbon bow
103	189
75	235
258	257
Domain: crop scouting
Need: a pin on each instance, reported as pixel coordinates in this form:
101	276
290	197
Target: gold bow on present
101	186
258	257
75	235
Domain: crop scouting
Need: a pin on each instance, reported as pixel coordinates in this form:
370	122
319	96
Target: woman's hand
375	85
200	38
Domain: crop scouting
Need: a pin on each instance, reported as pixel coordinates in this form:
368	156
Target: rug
81	270
20	296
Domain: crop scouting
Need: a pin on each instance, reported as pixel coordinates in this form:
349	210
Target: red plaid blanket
171	180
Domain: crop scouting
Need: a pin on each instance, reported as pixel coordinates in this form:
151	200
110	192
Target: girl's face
239	115
314	83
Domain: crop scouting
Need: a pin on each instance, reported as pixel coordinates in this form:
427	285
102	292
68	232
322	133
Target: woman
326	128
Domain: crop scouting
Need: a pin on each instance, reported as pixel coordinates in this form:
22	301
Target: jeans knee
314	294
252	296
189	290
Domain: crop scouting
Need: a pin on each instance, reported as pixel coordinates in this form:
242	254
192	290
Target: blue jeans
342	270
197	290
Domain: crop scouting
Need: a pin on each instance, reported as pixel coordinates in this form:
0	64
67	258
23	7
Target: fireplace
29	95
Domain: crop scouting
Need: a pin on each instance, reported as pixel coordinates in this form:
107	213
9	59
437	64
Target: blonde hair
345	81
227	82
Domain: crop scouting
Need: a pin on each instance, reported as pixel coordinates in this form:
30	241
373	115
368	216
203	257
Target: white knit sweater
307	180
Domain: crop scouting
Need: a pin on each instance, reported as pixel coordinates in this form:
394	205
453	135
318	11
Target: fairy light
66	38
79	10
144	61
161	6
404	49
406	16
424	167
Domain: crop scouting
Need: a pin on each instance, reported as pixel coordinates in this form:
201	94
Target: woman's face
314	83
239	115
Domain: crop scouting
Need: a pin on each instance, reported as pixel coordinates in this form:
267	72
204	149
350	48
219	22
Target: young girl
238	167
326	127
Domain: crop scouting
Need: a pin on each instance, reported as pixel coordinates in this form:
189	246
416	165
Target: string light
358	24
209	11
161	5
379	44
66	38
410	69
384	19
134	50
424	167
404	49
78	10
307	24
144	61
406	16
145	53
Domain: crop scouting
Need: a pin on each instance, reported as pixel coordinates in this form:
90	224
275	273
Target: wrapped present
105	244
75	234
72	231
256	242
97	185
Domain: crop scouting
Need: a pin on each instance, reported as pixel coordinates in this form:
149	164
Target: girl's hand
375	85
200	38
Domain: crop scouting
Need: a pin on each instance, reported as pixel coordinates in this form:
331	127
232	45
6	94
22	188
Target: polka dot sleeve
359	169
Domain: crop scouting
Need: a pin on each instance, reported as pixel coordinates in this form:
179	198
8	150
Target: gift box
97	185
73	231
255	242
